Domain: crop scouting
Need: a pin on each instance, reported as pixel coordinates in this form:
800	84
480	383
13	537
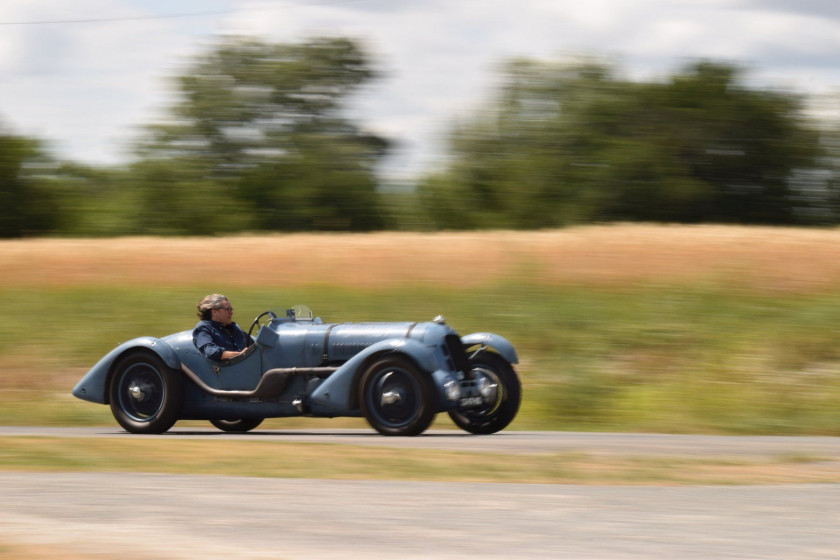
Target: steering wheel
256	322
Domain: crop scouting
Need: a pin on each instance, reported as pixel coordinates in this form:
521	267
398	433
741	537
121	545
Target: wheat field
766	259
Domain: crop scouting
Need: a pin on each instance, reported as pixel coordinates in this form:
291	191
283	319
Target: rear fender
338	394
94	385
498	343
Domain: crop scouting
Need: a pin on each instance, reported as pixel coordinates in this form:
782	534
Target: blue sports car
396	375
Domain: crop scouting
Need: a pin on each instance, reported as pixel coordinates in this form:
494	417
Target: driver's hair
213	301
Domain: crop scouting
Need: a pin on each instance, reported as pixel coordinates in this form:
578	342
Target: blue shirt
212	338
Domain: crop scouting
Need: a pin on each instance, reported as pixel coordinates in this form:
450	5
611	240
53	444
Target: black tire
145	394
501	408
239	425
396	397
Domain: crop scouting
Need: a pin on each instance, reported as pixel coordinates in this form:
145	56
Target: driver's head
215	307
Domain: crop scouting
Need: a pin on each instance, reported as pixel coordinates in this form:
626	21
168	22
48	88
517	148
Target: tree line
258	141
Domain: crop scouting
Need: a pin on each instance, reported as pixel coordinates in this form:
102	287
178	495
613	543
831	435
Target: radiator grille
457	353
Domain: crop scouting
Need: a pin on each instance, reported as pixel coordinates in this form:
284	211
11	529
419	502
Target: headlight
452	390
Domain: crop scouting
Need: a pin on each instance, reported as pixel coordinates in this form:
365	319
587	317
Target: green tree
260	128
26	206
176	197
88	201
567	144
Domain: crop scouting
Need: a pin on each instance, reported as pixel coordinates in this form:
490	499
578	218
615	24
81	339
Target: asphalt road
151	516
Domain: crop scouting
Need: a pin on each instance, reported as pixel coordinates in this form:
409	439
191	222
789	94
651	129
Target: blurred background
525	131
128	117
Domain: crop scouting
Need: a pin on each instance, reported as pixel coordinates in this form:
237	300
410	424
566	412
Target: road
153	516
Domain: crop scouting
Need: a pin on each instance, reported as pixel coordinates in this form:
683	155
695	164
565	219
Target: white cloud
85	86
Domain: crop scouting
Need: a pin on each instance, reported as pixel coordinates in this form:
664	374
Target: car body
398	375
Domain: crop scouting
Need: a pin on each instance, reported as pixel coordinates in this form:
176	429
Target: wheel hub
488	390
137	393
391	397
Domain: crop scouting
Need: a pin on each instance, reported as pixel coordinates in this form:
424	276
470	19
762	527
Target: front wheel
396	397
500	391
239	425
145	394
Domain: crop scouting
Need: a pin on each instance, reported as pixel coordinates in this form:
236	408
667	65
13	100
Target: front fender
94	384
498	343
334	397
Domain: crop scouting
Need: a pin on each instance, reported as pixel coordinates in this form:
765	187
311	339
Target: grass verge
662	359
286	460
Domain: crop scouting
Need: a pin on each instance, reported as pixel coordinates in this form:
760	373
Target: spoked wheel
500	392
397	397
145	394
238	425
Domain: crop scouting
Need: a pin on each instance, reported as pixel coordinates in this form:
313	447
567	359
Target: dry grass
351	462
791	260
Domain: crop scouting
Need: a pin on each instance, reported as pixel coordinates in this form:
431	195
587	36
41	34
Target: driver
216	335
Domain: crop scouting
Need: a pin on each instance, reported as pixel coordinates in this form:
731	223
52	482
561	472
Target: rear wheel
238	425
500	391
397	397
145	394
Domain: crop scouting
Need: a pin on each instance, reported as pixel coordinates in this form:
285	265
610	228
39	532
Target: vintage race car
396	375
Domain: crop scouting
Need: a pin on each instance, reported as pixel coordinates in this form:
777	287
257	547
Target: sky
85	75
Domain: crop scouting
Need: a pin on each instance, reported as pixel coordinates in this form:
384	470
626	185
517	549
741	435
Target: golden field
775	259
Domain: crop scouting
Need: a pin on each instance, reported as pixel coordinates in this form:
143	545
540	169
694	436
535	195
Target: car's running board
272	383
